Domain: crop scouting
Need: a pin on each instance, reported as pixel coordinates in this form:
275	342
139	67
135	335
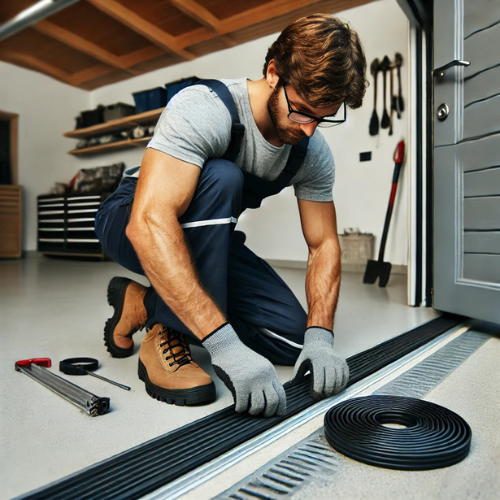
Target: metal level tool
36	369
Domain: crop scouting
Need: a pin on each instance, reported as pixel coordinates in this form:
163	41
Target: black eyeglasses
299	117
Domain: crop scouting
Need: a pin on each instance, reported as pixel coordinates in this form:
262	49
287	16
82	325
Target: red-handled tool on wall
378	268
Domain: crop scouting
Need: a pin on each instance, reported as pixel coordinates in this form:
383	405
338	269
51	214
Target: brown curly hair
322	59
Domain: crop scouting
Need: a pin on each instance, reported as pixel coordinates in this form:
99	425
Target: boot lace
177	347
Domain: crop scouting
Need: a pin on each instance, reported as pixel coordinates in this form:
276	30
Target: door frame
13	118
419	151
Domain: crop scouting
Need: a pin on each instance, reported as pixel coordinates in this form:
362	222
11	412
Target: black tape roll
432	437
78	366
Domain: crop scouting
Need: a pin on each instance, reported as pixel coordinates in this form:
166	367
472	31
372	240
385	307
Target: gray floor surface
57	308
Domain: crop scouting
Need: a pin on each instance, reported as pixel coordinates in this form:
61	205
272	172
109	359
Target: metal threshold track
152	465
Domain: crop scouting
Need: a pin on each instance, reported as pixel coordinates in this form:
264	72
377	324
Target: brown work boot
169	372
127	298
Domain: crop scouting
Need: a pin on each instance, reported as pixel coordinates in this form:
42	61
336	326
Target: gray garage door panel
482	118
482	182
480	154
467	159
483	268
481	50
482	86
479	15
482	213
482	242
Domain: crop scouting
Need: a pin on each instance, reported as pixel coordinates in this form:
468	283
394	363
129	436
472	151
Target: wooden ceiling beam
196	11
77	42
141	55
262	13
199	13
256	15
36	65
228	41
91	73
196	36
138	24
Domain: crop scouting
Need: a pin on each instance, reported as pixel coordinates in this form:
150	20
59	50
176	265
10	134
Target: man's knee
110	226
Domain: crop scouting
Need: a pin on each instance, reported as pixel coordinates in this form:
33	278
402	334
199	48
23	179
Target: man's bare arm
330	372
319	225
165	189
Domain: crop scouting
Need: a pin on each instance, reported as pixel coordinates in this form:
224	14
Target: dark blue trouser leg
262	309
259	305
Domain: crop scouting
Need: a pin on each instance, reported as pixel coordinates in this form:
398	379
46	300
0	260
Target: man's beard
289	135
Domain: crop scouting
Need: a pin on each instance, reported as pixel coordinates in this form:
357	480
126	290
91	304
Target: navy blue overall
261	308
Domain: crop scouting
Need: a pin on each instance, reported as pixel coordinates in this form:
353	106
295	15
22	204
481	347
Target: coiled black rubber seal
432	436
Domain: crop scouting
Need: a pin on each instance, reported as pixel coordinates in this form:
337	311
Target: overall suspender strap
295	159
255	189
258	186
237	129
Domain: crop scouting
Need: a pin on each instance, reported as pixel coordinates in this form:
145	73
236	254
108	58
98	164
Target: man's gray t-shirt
196	127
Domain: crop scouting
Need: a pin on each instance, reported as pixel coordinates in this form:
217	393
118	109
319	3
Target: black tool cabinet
66	225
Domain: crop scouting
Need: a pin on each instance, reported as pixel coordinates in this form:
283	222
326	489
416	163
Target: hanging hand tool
398	60
85	366
374	125
378	268
386	121
393	99
36	369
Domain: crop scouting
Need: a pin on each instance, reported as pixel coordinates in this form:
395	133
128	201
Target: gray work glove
329	370
250	377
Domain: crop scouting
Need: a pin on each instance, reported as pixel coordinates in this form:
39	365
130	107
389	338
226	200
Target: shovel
378	268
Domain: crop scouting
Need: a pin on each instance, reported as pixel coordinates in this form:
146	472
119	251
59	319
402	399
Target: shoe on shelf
127	299
169	372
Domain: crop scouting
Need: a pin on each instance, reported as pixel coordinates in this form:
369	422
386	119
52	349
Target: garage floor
57	308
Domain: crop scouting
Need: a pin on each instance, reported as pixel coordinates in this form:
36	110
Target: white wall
362	189
46	110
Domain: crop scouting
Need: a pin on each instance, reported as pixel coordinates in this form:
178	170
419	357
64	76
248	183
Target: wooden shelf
112	146
122	124
129	122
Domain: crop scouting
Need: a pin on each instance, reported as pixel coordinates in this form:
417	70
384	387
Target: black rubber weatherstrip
152	465
431	436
